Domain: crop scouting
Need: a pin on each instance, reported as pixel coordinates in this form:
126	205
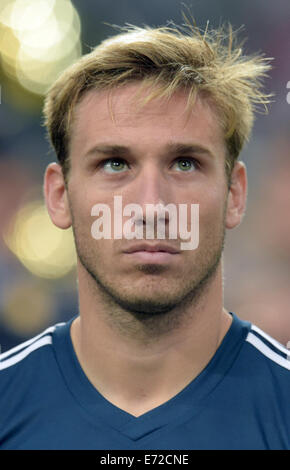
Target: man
153	360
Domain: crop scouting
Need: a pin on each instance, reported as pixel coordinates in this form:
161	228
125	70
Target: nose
151	186
151	191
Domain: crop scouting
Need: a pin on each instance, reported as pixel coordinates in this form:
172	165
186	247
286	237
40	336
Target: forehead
102	116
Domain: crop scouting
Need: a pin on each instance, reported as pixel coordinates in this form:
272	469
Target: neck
138	363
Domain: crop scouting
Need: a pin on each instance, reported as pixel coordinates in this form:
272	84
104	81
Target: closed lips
152	248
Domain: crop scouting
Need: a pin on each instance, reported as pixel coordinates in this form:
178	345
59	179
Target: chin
149	304
146	302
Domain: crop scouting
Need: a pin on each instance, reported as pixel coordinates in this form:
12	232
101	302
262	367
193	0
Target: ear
237	196
55	193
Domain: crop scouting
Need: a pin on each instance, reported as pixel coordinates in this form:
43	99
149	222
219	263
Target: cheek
82	200
81	206
212	212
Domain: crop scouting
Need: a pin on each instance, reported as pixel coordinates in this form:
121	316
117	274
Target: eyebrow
172	148
182	148
107	149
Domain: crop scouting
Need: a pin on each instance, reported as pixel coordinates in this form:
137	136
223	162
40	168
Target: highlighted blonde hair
209	63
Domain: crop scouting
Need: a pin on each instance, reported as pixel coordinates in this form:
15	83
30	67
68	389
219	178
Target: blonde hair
166	58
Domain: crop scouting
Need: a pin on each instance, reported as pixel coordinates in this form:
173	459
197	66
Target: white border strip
30	341
18	357
275	343
258	343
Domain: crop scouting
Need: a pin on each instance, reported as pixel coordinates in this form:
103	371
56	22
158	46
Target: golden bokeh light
29	15
6	10
37	75
27	307
9	47
38	40
52	42
45	250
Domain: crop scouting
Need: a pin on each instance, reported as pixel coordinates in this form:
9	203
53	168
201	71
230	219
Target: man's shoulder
269	347
27	357
31	384
265	357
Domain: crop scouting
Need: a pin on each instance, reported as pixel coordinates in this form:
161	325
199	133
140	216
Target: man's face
147	155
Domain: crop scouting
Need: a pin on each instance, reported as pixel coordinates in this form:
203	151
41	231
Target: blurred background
38	39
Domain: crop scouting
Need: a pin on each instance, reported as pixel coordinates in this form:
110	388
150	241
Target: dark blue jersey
241	400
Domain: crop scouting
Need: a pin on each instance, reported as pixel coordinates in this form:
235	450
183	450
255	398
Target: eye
187	164
114	165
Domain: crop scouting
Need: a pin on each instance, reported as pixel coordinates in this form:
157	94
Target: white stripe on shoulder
30	341
264	349
275	343
18	357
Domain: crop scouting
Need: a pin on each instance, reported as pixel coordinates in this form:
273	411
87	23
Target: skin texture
164	318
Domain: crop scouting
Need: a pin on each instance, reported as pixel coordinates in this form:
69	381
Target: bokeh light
45	250
38	40
27	307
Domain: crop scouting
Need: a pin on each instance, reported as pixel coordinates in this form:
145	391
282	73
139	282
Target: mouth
152	253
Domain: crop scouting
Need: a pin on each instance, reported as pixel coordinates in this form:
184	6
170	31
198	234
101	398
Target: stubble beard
131	313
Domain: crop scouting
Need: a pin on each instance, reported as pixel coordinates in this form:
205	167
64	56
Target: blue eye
187	164
114	165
